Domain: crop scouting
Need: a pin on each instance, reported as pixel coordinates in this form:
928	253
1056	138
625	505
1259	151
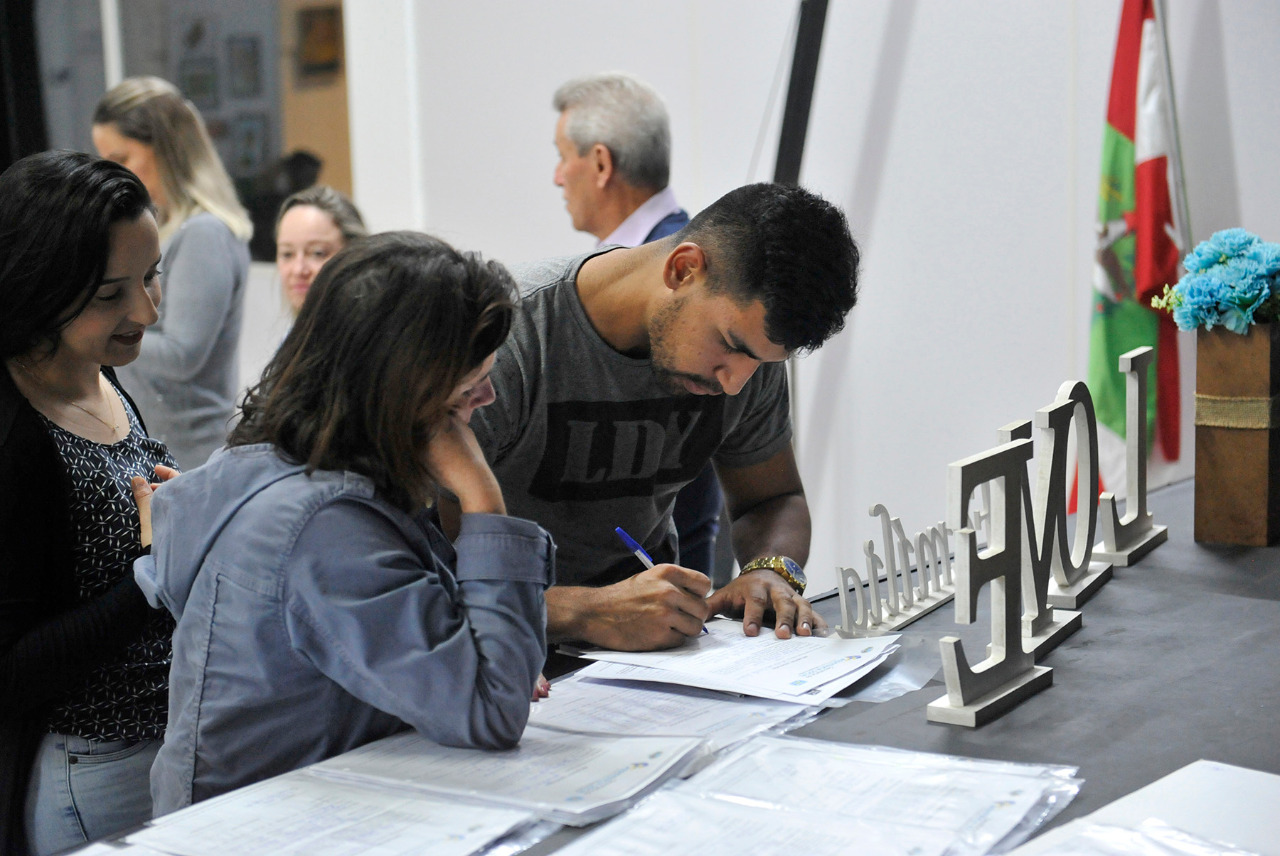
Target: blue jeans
82	790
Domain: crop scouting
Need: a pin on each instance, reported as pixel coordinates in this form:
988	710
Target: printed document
976	803
669	824
302	814
567	778
802	670
620	707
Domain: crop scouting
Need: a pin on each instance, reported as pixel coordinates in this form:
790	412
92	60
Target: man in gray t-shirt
627	370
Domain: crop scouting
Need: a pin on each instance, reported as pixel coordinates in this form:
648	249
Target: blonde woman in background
313	224
186	378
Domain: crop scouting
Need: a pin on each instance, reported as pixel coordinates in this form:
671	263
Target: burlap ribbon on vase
1237	411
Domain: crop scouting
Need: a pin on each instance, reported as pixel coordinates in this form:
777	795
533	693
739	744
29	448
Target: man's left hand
753	594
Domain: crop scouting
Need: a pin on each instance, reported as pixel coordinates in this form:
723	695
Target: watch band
788	569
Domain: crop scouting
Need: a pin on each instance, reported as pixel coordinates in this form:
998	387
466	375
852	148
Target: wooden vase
1238	436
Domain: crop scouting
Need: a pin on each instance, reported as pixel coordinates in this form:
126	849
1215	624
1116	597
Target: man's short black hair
786	247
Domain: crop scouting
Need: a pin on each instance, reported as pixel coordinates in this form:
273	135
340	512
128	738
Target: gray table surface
1176	661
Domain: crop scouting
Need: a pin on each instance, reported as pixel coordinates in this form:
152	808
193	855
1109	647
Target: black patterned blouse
126	698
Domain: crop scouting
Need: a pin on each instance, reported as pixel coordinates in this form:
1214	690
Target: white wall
962	138
451	112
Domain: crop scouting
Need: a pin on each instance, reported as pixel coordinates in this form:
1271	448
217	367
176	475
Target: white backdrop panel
961	136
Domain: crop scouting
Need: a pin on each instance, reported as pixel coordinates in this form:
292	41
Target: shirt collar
632	231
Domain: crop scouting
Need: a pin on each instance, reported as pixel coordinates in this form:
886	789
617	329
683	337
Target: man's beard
662	349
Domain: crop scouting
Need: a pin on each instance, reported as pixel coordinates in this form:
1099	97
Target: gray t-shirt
583	438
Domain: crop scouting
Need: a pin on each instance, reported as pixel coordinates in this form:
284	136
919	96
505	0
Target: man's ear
602	162
684	266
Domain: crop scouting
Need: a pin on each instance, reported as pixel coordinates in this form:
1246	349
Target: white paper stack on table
304	814
805	670
407	795
569	778
1233	808
784	794
584	705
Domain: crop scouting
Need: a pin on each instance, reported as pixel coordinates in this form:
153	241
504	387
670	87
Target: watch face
794	569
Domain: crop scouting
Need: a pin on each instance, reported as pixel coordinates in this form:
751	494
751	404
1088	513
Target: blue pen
639	552
634	547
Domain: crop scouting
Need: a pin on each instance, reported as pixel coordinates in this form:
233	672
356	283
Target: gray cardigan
313	617
186	377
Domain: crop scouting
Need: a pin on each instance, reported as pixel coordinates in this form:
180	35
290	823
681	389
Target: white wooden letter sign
1043	627
1126	540
866	614
1076	577
979	693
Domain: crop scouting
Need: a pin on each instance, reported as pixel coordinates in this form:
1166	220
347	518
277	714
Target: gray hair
627	116
340	209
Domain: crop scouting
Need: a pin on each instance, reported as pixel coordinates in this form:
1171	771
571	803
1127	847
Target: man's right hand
658	608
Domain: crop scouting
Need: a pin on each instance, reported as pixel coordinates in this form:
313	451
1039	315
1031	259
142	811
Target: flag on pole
1142	234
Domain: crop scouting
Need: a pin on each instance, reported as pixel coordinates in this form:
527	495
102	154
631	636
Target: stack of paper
671	824
619	707
302	813
1151	837
1235	807
806	670
839	798
574	779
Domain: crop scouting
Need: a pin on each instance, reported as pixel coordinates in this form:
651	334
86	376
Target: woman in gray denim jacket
318	604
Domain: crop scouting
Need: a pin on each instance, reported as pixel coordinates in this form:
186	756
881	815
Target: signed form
801	670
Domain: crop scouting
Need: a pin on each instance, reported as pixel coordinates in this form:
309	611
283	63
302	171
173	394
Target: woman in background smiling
313	224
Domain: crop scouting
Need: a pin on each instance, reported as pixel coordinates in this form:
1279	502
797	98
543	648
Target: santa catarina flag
1141	238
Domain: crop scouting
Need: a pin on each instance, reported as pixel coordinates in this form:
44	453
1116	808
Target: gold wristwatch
786	568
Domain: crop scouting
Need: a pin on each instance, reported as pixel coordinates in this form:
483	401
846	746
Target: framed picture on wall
244	66
319	43
248	144
198	80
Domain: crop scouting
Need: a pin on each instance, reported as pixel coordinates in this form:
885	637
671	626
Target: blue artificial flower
1242	272
1235	320
1248	295
1200	305
1220	247
1266	256
1233	242
1228	279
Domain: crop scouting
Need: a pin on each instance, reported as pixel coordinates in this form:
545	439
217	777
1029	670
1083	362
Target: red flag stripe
1168	391
1122	106
1155	265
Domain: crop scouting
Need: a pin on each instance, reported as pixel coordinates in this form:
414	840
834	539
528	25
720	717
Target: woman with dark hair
83	661
318	604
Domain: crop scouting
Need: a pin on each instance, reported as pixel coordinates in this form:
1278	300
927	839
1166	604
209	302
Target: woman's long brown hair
391	326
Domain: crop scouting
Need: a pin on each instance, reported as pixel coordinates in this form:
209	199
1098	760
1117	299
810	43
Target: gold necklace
115	428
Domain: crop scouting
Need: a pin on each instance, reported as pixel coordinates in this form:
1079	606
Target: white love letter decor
866	614
1126	540
1043	627
1076	577
977	694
